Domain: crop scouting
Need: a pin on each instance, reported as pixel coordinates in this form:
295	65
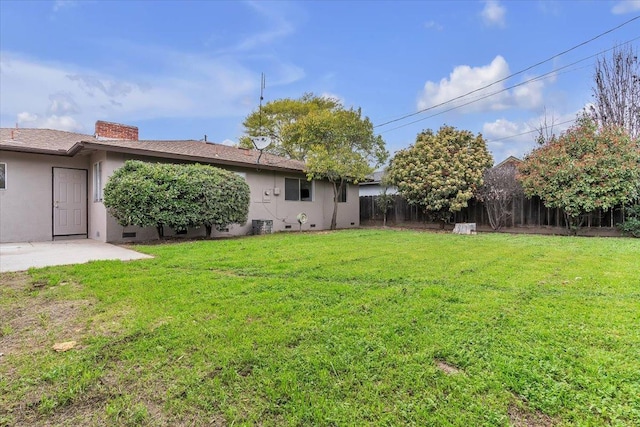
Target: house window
298	189
97	182
342	197
3	176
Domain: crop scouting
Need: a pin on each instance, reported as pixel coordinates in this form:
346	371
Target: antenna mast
261	141
262	86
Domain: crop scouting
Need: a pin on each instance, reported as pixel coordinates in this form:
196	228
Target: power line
530	131
508	77
548	74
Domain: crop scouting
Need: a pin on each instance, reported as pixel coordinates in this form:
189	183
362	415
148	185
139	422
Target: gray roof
48	141
373	178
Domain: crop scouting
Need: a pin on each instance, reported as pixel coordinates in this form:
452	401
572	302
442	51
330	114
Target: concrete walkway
22	256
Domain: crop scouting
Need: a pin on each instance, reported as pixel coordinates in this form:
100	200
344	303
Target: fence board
525	212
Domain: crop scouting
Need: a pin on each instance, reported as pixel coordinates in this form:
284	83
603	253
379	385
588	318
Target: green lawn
350	328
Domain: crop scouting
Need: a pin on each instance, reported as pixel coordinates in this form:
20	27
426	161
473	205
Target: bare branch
617	90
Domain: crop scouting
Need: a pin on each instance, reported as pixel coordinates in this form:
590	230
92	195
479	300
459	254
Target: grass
361	327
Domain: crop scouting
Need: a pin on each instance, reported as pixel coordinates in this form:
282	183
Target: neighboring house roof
48	141
373	178
509	161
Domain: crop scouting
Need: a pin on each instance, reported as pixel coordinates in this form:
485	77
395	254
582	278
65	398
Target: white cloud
465	79
74	97
503	128
627	6
516	138
278	28
328	95
433	25
493	14
61	4
26	117
53	121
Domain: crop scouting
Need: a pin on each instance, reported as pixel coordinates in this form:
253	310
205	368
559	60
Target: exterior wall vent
261	226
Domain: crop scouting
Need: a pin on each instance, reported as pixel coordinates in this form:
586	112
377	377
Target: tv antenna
261	141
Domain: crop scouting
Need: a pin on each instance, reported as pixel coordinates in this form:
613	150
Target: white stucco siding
26	204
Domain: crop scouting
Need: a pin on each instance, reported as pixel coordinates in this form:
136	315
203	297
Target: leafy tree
274	117
497	193
177	196
340	147
337	144
617	90
441	171
384	201
583	169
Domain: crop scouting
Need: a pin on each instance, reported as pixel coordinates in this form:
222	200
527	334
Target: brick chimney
108	130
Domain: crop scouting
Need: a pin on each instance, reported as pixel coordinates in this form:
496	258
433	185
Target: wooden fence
525	214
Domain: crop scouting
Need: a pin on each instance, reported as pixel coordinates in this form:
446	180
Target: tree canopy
583	169
276	116
176	195
337	144
441	171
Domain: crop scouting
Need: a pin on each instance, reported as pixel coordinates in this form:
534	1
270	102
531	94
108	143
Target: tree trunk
337	189
208	229
160	230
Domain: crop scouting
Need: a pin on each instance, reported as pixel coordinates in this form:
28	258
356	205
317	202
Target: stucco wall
265	204
26	203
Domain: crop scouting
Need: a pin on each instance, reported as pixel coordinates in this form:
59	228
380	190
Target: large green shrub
584	169
442	171
224	197
631	225
176	195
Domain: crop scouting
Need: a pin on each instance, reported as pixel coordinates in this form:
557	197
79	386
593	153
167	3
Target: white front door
69	202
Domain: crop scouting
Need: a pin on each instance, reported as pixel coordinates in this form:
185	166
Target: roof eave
202	159
60	152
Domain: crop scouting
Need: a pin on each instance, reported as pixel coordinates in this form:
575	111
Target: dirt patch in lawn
35	316
447	368
521	416
38	322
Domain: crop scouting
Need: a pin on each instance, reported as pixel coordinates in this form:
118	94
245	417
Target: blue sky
180	70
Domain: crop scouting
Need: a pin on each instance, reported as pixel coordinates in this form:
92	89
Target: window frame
4	166
308	184
342	197
97	182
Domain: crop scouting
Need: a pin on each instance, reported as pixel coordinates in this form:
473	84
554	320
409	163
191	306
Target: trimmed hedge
176	195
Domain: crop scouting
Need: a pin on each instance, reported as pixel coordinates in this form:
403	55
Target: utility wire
540	77
530	131
509	76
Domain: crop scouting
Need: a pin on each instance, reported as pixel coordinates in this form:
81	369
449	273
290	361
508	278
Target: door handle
55	204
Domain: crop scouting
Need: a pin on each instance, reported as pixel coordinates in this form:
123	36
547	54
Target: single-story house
51	185
372	186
